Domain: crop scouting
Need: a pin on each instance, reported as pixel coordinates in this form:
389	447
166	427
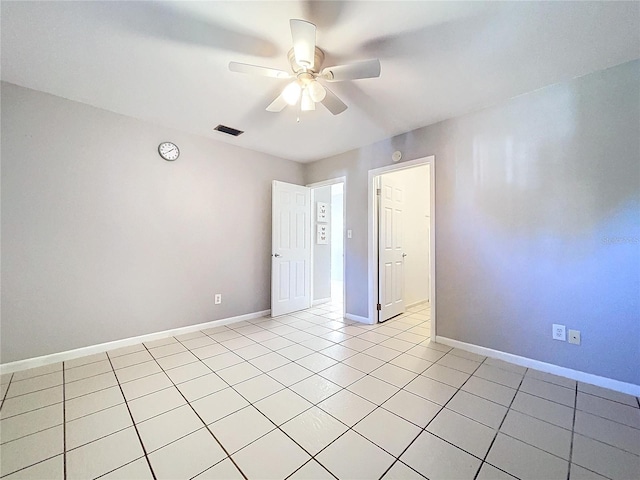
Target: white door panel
291	248
390	245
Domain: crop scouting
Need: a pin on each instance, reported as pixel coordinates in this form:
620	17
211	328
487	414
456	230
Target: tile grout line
6	392
484	459
199	417
573	429
135	426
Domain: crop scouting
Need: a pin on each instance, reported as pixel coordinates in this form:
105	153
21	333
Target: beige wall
104	240
537	208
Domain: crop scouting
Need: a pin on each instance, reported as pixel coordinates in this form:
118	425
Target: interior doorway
401	239
327	246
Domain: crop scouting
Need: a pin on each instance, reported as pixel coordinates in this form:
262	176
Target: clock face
169	151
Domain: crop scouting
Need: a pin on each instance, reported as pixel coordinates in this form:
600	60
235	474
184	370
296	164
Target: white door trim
373	240
327	183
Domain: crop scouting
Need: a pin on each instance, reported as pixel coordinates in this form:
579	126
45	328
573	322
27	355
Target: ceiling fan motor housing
318	59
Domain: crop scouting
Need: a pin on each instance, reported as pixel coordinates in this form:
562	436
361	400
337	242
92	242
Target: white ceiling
166	62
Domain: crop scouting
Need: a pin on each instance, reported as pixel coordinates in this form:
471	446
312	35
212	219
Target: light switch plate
348	233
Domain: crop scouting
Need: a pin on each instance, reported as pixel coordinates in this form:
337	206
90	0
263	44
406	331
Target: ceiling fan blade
277	105
303	35
353	71
333	103
256	70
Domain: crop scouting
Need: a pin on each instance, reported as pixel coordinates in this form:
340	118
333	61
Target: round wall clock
169	151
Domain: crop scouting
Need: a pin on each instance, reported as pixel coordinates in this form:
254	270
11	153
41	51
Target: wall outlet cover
559	332
217	299
574	337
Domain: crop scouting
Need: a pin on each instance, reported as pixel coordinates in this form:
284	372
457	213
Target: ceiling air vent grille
228	130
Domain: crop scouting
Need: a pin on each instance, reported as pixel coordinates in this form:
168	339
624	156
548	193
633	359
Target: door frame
328	183
373	237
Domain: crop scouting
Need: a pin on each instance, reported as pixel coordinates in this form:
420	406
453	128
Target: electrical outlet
349	234
217	299
559	332
574	337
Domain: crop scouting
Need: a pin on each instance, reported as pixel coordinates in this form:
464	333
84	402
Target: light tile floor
310	396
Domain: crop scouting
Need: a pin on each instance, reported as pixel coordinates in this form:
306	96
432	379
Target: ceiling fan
306	60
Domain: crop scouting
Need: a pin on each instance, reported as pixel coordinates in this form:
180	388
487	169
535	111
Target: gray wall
103	240
537	221
321	253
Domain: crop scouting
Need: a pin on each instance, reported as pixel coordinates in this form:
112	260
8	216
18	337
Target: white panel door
390	248
291	248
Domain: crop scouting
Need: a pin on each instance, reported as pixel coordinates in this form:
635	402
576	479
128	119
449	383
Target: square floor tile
524	461
89	385
339	352
31	449
383	353
316	362
138	469
294	352
282	406
218	405
443	460
277	343
77	373
608	431
314	429
224	470
222	361
92	402
315	388
490	390
188	372
426	353
269	362
347	407
168	427
257	459
251	351
373	389
542	409
412	407
103	455
431	390
548	377
176	360
137	371
311	470
387	430
290	373
497	375
35	384
446	375
200	448
354	457
125	350
145	385
209	351
342	374
458	363
604	393
394	375
238	373
51	469
478	409
547	390
198	342
363	362
543	435
34	421
489	472
399	471
155	403
606	460
612	410
576	472
31	401
237	430
97	425
464	433
131	359
36	372
258	387
202	386
411	363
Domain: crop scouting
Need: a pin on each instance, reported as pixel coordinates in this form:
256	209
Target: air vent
228	130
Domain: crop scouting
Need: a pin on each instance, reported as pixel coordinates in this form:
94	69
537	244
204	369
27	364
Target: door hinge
379	307
378	191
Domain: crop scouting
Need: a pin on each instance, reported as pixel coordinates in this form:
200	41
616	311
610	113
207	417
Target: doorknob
404	255
276	255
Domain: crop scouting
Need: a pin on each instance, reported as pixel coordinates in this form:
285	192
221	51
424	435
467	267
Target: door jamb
328	183
373	240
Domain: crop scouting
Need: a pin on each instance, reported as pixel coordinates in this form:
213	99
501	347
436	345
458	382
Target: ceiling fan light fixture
291	93
306	102
316	91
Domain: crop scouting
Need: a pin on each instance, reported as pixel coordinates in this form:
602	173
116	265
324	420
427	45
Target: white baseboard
414	304
357	318
320	301
125	342
628	388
